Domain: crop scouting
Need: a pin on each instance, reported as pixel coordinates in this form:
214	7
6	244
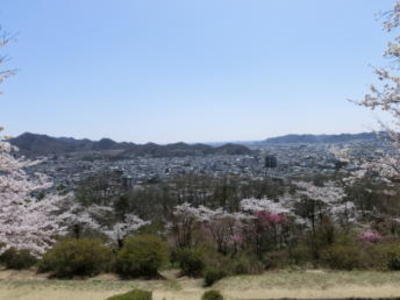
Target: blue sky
190	70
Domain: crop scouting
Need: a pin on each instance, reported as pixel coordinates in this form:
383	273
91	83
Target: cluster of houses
279	160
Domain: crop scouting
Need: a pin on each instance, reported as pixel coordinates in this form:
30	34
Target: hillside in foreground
271	285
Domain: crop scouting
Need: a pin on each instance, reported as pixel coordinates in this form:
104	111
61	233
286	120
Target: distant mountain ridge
322	138
31	144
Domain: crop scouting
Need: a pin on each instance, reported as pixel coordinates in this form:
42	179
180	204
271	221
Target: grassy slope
25	285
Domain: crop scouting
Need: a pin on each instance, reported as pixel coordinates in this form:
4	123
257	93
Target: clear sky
190	70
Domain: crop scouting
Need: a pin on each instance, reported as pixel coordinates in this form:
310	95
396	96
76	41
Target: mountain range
31	144
322	138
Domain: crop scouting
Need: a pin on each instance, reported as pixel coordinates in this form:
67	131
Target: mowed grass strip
271	285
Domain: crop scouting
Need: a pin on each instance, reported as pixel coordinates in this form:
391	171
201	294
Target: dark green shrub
342	257
300	255
212	295
18	259
394	263
324	236
141	255
133	295
390	252
277	259
211	257
190	261
77	257
378	255
246	264
213	275
383	256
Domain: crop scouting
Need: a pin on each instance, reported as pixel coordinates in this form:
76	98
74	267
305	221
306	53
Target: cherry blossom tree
224	228
78	218
380	165
374	175
26	222
184	222
370	236
120	230
5	39
268	227
102	219
328	200
385	96
276	207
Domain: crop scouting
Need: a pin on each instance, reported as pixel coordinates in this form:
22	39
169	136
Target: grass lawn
26	285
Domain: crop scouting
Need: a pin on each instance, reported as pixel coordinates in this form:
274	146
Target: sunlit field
309	284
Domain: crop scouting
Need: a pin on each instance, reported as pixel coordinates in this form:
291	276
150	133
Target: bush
300	255
77	257
277	259
141	255
212	295
190	261
394	263
213	275
379	255
133	295
342	257
391	254
246	264
18	259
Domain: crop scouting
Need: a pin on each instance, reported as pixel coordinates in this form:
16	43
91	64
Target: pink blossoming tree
25	221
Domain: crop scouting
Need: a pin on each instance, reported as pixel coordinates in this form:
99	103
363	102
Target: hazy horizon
194	142
198	71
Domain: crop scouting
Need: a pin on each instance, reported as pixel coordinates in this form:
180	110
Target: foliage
387	255
277	259
246	264
212	295
133	295
300	254
213	275
141	255
191	261
77	257
18	259
394	262
99	188
342	257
